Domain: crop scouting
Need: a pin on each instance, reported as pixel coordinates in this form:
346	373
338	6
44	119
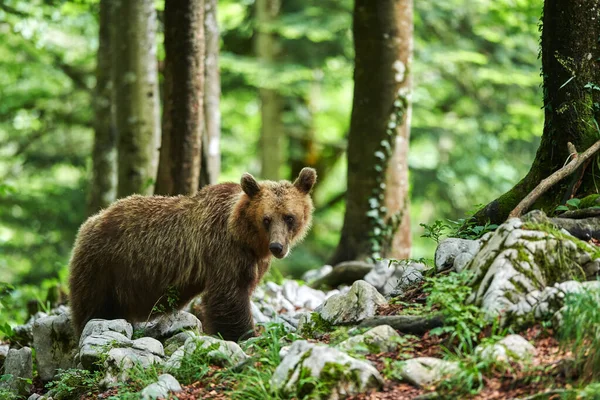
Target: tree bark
136	98
103	185
211	136
571	73
183	109
376	218
267	50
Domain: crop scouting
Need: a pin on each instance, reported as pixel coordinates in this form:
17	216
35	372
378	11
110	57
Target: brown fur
127	258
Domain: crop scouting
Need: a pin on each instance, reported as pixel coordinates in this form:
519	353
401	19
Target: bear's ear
306	180
249	185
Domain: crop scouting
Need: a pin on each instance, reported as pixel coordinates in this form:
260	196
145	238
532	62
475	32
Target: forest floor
547	372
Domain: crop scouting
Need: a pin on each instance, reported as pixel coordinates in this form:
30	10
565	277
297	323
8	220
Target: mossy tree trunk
211	136
571	73
376	219
103	185
183	109
267	48
136	99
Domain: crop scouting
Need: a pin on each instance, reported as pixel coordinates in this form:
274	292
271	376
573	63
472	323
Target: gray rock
99	326
94	346
359	303
424	371
449	250
544	304
120	360
314	274
348	376
510	348
380	339
149	345
170	324
259	317
55	344
394	276
515	262
176	341
19	365
35	396
302	296
166	384
219	352
3	353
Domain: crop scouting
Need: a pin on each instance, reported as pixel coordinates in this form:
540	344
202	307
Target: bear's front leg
228	314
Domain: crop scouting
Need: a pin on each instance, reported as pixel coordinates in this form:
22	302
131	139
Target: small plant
470	377
579	331
435	230
464	322
74	383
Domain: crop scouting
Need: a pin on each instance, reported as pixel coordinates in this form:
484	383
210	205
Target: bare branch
556	177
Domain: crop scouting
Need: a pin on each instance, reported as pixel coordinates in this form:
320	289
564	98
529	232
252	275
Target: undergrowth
579	331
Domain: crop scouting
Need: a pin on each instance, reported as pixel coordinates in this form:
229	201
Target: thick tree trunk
267	51
376	219
183	109
571	71
103	185
136	98
211	136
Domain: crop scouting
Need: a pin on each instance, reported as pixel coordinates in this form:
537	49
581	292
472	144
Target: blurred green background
476	120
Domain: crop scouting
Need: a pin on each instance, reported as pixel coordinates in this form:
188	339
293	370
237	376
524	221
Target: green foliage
71	384
579	331
464	228
464	322
6	394
470	378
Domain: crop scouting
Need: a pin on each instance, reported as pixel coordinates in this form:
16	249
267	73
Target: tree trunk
136	98
267	50
103	185
571	71
376	219
183	113
211	135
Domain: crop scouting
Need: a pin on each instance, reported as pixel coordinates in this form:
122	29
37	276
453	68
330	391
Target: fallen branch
410	324
556	177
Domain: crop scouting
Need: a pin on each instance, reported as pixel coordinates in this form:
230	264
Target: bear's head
281	212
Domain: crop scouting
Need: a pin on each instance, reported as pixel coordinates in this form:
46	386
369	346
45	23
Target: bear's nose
276	248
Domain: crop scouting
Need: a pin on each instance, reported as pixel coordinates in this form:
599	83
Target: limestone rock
166	384
510	348
176	341
99	326
388	276
3	353
359	303
454	253
170	324
424	371
19	365
94	346
120	360
344	375
516	261
55	344
382	338
219	352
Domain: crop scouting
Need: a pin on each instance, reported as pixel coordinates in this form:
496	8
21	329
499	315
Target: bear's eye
289	219
266	221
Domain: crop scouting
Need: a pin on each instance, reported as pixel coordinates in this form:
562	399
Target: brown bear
149	253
